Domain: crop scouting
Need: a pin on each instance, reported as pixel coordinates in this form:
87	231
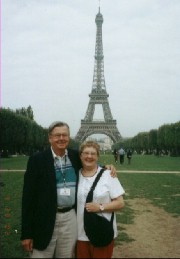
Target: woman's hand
92	207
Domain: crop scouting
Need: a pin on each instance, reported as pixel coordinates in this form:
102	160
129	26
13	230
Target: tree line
162	141
20	134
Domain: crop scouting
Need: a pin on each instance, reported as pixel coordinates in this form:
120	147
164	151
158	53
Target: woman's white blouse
107	188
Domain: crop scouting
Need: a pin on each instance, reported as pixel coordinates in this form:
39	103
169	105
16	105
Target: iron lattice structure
98	96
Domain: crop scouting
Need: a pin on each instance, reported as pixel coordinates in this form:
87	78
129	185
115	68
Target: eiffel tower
98	96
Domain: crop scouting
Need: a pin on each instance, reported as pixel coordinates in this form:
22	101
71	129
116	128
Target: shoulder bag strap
97	179
90	194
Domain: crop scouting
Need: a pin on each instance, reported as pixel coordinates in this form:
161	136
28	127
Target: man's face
59	139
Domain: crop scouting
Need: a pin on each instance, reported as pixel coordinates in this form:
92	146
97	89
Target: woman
106	199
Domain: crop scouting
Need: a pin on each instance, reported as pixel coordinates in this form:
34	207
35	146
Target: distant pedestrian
129	156
115	153
121	155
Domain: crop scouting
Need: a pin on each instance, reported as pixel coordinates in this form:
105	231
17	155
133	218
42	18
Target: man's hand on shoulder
112	169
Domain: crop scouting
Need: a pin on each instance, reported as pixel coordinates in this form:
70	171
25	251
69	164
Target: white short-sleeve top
107	188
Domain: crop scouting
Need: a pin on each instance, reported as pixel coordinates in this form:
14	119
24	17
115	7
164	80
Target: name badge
65	191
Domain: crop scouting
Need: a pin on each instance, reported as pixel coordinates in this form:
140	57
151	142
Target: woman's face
89	157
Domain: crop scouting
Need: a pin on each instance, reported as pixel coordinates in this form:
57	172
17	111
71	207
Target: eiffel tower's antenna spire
98	77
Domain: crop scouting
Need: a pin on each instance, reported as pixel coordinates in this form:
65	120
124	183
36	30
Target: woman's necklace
89	173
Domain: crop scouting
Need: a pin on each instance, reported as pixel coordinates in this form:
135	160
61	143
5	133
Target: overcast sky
47	60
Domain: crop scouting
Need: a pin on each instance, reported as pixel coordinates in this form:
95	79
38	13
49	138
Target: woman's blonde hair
89	143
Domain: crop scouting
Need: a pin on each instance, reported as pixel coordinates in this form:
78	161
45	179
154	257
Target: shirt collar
56	156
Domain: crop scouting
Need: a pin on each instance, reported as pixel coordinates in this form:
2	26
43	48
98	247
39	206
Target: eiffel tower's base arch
89	128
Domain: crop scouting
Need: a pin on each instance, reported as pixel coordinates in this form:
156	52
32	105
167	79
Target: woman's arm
114	205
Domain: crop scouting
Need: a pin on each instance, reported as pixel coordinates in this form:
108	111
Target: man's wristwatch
101	207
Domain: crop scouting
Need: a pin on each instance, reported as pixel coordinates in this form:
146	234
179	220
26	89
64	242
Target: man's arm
112	169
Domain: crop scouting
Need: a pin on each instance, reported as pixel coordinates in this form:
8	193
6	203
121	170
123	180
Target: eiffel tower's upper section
98	86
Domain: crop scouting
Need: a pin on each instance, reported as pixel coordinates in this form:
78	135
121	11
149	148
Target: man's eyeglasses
89	153
64	135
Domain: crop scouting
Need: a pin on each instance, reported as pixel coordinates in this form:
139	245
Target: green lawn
162	190
18	162
139	162
10	215
145	162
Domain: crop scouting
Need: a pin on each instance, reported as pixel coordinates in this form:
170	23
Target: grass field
145	162
162	190
139	162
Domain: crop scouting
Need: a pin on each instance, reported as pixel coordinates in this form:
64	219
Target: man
49	198
121	155
129	156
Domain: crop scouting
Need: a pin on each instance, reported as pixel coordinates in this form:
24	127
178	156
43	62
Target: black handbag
98	229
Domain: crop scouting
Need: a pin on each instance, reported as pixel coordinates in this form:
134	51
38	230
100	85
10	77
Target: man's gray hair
57	124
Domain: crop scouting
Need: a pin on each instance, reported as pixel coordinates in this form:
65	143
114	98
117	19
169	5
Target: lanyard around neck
63	172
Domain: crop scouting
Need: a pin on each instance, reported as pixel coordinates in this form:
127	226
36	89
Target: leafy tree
20	134
27	112
165	139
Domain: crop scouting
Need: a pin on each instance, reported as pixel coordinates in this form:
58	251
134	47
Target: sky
47	60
